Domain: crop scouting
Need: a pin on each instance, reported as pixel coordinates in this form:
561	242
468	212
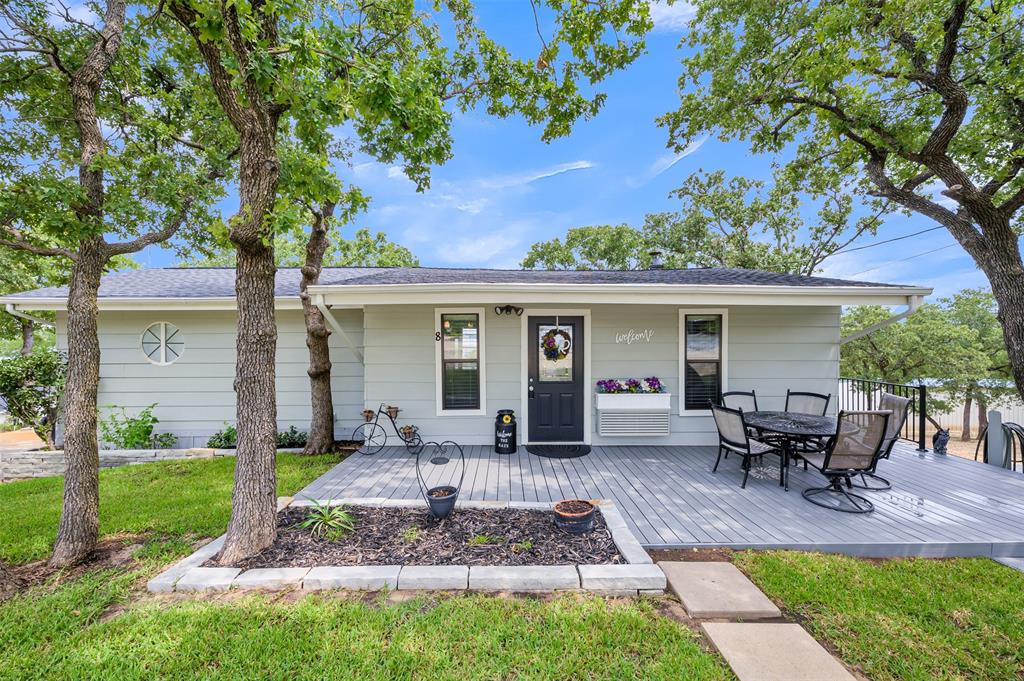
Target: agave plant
331	522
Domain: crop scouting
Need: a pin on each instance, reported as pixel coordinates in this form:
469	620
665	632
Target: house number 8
437	336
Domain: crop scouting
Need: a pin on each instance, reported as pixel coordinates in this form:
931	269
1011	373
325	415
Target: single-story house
451	347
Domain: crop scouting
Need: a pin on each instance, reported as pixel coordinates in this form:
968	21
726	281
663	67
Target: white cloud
524	178
473	206
664	163
672	16
479	249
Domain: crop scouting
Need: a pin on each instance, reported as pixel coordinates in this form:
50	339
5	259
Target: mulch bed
410	536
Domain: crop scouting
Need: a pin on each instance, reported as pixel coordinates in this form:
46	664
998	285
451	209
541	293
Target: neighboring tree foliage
722	223
32	387
917	106
955	345
22	271
291	78
100	157
364	249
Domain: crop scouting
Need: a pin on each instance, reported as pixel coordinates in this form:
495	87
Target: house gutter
913	302
13	310
318	300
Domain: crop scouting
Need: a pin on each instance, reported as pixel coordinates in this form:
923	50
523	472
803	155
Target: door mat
559	451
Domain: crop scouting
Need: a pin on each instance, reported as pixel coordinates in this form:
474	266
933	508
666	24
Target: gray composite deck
939	505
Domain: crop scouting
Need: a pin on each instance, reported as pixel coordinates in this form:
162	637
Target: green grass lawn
904	619
175	499
61	635
102	625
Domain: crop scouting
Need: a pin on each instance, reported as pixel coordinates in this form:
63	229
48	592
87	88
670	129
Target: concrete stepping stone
762	651
717	591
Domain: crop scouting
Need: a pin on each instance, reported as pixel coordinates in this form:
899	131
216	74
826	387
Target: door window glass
555	350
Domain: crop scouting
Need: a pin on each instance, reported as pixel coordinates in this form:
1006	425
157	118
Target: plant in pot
408	432
575	516
393	411
440	498
368	415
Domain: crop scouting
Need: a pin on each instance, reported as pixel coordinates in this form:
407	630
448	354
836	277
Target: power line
892	262
888	241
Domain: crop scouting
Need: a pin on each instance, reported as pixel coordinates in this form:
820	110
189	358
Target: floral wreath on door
556	344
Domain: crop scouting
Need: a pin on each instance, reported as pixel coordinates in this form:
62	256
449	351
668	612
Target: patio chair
738	399
807	403
900	408
854	450
744	401
733	437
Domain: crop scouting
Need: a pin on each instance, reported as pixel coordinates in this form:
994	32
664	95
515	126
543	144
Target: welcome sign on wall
634	336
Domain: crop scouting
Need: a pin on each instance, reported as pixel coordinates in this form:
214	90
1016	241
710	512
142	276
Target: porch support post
318	300
994	447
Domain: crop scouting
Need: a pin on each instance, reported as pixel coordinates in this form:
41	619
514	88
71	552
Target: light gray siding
770	349
194	395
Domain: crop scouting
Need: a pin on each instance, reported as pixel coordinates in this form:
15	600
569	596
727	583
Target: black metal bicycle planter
440	498
374	437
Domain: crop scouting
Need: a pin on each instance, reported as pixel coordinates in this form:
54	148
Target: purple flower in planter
654	384
633	385
610	385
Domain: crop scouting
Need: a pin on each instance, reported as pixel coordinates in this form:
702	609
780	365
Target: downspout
318	300
913	302
13	310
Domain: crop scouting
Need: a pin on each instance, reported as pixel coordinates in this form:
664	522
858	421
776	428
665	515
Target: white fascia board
142	304
630	294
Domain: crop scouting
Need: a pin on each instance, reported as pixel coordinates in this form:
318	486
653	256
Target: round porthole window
163	343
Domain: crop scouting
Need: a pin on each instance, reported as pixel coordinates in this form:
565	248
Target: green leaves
32	386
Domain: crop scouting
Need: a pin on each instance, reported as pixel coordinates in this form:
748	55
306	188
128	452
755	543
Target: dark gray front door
555	379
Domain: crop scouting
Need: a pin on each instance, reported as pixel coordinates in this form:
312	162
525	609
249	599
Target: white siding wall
770	349
194	396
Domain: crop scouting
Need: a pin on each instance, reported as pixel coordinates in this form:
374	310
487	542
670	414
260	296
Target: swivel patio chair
733	437
900	408
854	450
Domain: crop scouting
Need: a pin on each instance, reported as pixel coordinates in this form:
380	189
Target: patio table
791	428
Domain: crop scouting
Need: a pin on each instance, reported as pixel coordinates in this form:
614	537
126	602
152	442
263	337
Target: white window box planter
633	414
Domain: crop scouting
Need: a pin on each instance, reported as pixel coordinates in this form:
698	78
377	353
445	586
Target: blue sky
505	189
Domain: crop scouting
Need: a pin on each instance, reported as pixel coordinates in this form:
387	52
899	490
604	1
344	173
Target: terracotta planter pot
393	412
368	415
575	516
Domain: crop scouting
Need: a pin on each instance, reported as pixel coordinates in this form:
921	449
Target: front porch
939	505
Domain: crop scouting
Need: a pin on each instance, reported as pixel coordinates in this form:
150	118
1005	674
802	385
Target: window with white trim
163	343
702	358
460	371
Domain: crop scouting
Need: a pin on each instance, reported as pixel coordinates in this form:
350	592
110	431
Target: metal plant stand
374	436
440	498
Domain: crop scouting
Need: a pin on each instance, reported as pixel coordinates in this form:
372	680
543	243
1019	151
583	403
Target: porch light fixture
508	310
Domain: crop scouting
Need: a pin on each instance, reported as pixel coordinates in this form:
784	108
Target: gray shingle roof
219	282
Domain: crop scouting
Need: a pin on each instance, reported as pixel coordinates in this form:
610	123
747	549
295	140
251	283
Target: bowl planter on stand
575	516
440	498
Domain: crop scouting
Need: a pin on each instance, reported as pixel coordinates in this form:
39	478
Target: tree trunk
965	431
982	416
253	525
79	519
321	424
28	336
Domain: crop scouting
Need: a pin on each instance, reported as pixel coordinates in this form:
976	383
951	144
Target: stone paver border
638	576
